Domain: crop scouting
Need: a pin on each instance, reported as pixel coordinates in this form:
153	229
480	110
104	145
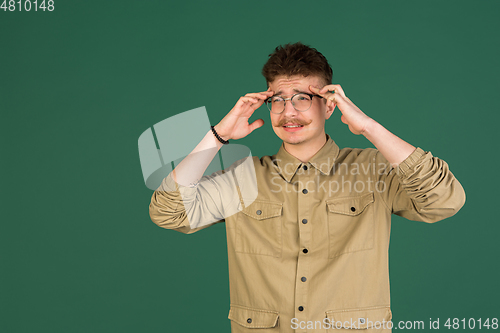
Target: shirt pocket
258	229
253	318
363	318
350	224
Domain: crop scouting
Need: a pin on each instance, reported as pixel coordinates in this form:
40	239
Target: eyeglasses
300	102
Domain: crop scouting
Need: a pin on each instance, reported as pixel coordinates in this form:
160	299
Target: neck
304	151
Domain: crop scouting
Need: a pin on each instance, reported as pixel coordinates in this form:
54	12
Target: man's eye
277	100
303	98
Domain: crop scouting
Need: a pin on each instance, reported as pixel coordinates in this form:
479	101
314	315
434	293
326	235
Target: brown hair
297	59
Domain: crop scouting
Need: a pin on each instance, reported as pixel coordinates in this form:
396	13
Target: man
310	251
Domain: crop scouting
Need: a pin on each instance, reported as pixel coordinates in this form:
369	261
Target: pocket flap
359	318
253	318
350	205
260	209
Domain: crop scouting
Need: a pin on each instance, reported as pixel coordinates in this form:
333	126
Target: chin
294	141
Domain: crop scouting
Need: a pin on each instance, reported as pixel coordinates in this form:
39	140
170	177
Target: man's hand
393	148
235	124
351	114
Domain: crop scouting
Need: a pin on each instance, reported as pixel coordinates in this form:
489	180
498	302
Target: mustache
292	121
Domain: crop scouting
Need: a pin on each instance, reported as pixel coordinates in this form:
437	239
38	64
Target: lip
292	129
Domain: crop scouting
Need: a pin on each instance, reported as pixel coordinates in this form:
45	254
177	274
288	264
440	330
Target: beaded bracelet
225	142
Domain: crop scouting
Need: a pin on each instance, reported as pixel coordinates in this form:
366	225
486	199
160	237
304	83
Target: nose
289	110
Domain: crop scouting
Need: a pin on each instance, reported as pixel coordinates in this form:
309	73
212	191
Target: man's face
312	121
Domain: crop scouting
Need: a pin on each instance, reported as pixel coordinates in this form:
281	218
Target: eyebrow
295	89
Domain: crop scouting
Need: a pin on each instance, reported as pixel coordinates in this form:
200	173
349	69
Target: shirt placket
304	193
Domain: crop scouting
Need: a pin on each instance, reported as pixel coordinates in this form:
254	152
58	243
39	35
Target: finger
317	91
247	100
327	88
314	89
335	87
267	92
256	95
331	104
260	95
251	99
331	98
256	124
253	102
337	98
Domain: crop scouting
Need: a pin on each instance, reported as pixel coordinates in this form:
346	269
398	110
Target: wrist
221	133
371	127
218	137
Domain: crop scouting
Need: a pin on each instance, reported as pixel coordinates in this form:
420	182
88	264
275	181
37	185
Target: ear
329	110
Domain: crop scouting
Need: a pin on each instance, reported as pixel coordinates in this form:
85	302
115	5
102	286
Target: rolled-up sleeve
422	188
214	198
167	206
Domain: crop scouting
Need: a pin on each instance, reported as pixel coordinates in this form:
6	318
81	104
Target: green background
78	86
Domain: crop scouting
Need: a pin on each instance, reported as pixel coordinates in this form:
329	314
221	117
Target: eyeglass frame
290	99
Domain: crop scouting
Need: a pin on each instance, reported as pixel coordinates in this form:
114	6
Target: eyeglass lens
301	102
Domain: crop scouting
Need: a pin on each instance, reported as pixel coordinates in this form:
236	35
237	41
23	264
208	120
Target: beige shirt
311	250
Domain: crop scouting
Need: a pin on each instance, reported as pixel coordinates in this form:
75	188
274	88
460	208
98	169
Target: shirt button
353	209
304	221
259	212
249	320
304	191
362	320
304	167
305	250
303	279
301	308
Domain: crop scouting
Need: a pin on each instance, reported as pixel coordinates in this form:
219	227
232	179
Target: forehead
292	84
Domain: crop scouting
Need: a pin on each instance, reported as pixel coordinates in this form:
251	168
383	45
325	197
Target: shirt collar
323	160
